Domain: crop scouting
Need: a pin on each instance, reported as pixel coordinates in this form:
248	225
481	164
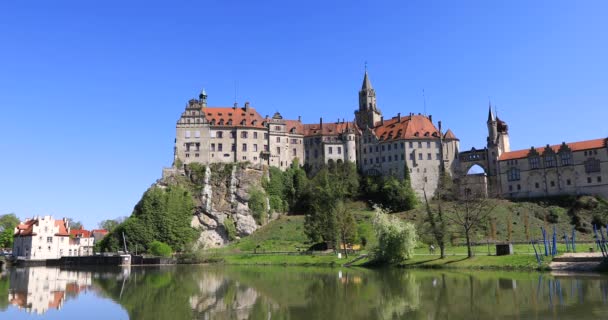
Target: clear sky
90	91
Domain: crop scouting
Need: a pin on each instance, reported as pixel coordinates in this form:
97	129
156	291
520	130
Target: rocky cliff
221	193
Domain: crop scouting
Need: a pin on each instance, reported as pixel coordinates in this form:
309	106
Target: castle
380	146
377	146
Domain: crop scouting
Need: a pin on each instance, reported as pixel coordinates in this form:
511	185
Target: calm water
210	292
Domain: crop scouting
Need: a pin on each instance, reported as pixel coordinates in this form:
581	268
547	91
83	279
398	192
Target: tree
111	224
396	238
74	224
472	211
437	223
347	227
8	221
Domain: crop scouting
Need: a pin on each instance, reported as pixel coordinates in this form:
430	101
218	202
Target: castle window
588	179
278	150
196	155
220	134
243	122
402	157
49	239
244	134
255	135
219	147
402	145
420	156
232	134
513	174
197	134
266	148
438	144
411	144
339	150
536	185
383	159
534	163
213	147
371	150
549	161
233	148
364	151
419	144
277	128
187	155
390	158
221	122
244	147
389	148
566	158
255	147
265	135
568	182
510	188
438	156
599	179
278	139
330	150
383	147
377	160
377	149
213	122
592	165
187	134
412	156
518	187
428	156
553	183
428	144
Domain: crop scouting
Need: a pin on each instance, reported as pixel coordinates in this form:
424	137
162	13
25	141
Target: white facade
42	238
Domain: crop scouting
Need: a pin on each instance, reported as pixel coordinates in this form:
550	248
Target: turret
368	113
492	128
203	98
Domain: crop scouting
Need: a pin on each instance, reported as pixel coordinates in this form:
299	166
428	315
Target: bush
257	204
396	238
161	249
230	228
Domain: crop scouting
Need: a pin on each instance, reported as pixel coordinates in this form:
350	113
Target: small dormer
212	122
221	122
243	122
229	122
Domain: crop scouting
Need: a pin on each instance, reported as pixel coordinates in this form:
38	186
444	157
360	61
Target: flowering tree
396	238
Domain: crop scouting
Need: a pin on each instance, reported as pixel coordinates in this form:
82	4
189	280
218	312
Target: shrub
257	204
396	238
230	228
161	249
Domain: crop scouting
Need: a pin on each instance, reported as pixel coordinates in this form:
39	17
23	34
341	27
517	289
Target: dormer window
229	122
221	122
549	161
566	158
243	122
254	122
426	134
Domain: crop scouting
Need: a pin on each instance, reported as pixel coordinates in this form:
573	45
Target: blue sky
90	91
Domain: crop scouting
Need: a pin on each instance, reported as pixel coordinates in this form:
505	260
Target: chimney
299	118
321	122
399	117
439	124
235	105
382	120
338	120
247	106
430	117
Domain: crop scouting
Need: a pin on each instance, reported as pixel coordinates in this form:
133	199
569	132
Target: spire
491	116
366	83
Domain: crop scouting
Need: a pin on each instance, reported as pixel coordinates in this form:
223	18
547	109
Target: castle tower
351	146
368	113
203	98
498	143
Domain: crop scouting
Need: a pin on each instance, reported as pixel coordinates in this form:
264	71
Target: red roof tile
450	135
408	127
296	125
80	233
101	231
26	228
63	228
57	298
574	146
238	116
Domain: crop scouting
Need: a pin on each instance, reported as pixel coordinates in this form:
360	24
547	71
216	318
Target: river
227	292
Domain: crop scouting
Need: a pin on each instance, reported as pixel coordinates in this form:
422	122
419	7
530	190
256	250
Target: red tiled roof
57	298
328	129
19	299
294	124
408	127
237	115
63	228
102	231
574	146
26	228
80	233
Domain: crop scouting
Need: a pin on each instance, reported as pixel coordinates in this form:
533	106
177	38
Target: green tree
347	227
257	204
111	224
8	222
160	249
396	238
73	224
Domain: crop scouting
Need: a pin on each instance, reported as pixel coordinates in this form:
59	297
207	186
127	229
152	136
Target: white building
42	238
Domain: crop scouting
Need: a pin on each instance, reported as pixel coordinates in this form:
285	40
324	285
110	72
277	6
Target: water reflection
203	292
